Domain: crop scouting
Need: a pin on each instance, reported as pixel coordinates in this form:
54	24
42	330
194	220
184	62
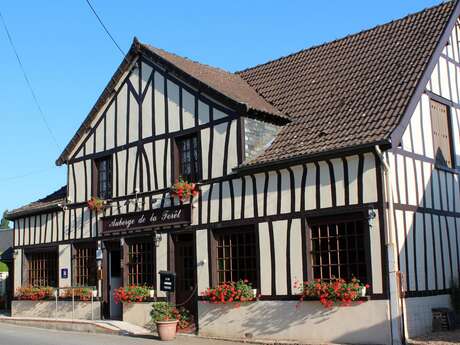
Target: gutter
395	309
310	157
35	211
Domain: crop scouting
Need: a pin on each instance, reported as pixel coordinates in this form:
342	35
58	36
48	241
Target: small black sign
167	281
64	273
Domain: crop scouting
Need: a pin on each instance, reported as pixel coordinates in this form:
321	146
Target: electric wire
29	84
105	27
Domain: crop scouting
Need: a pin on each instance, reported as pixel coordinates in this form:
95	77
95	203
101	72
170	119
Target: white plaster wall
418	315
18	257
65	261
309	322
161	260
202	259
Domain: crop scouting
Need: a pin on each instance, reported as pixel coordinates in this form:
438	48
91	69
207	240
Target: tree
4	223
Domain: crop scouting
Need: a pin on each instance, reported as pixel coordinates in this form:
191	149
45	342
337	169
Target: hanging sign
176	215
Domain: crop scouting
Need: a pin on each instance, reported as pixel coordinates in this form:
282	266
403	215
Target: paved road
20	335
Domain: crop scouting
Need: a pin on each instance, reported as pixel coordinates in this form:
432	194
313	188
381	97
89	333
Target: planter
167	329
79	310
138	313
363	291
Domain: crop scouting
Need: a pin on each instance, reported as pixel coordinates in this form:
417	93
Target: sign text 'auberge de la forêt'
176	215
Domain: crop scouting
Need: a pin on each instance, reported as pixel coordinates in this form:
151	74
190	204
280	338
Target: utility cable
104	27
29	84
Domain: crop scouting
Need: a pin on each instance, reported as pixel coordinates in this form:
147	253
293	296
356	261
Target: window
442	138
188	158
42	269
236	255
339	247
141	269
85	265
103	178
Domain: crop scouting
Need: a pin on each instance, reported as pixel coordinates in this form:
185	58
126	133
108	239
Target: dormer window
103	178
188	158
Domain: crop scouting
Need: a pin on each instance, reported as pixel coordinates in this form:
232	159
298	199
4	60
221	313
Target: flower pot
254	293
363	291
167	329
151	293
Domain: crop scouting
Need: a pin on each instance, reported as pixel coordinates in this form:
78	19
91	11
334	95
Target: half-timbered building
340	160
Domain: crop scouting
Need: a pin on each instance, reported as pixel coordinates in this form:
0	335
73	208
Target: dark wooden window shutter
442	139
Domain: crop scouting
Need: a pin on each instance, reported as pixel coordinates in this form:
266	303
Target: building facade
337	161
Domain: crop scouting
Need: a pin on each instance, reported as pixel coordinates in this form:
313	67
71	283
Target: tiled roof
349	92
229	84
49	202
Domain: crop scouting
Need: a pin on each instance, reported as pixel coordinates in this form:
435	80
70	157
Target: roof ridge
444	3
188	59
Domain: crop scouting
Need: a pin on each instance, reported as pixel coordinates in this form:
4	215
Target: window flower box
132	294
35	293
184	190
231	292
333	292
96	204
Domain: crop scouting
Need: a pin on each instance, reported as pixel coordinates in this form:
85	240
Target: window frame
75	277
213	248
27	263
362	215
126	254
177	156
95	190
437	163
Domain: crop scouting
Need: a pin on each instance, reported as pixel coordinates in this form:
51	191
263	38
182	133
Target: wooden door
185	263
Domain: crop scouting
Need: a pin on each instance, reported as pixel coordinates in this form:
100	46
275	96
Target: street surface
20	335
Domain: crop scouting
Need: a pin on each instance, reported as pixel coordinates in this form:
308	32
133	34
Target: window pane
42	270
141	268
188	158
236	256
85	266
337	249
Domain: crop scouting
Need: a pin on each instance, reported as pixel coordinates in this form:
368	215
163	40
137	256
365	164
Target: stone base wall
417	313
138	313
47	309
310	322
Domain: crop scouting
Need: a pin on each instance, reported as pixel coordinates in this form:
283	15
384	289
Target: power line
104	27
30	173
29	84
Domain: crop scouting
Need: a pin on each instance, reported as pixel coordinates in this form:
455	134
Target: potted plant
165	317
96	204
183	189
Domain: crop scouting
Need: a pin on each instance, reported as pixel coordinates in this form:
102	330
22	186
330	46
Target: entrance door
185	271
115	281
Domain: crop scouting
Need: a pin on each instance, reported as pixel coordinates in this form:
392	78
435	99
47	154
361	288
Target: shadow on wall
306	322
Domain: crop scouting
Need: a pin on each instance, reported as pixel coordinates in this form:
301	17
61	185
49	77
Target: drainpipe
392	254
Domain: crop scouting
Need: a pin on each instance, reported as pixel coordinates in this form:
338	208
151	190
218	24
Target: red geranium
230	292
184	190
334	291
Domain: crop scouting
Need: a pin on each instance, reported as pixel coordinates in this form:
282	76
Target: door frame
108	246
172	238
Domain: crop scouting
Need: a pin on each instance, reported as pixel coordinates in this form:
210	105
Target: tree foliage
4	223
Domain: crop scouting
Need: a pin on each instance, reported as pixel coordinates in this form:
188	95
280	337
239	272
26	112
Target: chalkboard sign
167	281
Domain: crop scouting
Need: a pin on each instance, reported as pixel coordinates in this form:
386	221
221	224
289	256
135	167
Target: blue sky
69	60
